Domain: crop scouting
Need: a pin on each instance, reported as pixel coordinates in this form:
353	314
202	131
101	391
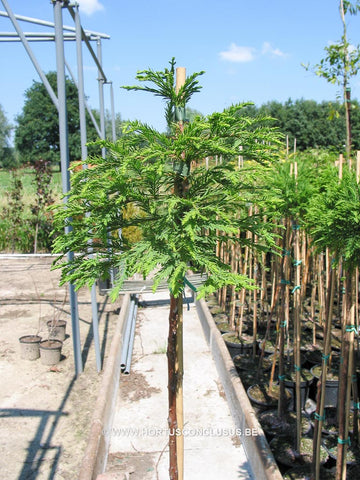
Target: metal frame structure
61	34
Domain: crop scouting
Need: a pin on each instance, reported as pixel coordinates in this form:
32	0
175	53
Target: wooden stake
176	469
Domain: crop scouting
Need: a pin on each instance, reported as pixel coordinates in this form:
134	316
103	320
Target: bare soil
45	410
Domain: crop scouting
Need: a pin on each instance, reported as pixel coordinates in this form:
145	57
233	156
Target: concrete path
139	436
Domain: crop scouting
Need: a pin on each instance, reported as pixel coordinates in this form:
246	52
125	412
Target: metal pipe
112	112
131	341
30	53
51	24
35	39
83	139
101	81
80	86
65	174
85	102
92	53
125	345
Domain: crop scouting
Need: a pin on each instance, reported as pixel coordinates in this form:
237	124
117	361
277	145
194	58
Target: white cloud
90	6
238	54
267	48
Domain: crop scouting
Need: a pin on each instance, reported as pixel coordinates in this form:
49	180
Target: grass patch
26	175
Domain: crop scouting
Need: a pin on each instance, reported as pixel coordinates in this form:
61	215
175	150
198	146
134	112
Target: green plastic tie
285	282
297	263
297	368
343	442
354	378
297	287
296	227
325	357
283	324
180	114
281	377
189	284
350	328
357	406
286	253
321	418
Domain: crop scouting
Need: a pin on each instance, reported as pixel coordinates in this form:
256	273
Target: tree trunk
175	382
172	387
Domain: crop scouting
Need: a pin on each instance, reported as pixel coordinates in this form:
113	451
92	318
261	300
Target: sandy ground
45	411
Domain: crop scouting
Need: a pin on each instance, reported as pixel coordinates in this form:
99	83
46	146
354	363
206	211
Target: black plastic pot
331	388
274	426
237	346
260	396
285	453
305	385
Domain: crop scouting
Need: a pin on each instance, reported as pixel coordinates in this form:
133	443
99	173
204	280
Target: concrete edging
261	459
95	456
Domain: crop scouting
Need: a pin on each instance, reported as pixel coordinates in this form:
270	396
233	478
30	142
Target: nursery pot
260	395
352	451
304	473
274	426
237	346
283	449
331	386
50	351
305	383
56	329
29	346
330	422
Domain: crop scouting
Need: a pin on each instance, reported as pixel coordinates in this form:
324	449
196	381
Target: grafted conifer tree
183	207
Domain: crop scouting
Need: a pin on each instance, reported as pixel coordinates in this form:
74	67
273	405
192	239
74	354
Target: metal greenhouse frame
59	34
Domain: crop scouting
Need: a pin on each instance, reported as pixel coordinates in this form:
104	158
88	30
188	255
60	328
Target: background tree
185	210
37	132
341	62
7	158
311	124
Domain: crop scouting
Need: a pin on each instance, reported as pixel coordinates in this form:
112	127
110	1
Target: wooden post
179	362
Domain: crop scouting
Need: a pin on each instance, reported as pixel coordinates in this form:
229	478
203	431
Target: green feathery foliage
181	211
333	216
289	195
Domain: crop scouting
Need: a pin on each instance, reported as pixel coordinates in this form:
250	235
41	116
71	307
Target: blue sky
250	51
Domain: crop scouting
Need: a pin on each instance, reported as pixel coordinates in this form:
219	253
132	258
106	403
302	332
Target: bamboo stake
319	414
283	318
345	377
255	275
179	348
234	268
297	331
341	160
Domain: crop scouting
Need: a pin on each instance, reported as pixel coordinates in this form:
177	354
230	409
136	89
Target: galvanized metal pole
83	139
101	81
65	175
97	128
112	113
80	86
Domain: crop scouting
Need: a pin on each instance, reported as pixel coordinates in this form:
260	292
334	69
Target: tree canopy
37	132
312	124
182	211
